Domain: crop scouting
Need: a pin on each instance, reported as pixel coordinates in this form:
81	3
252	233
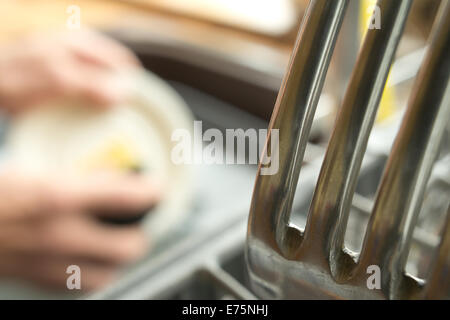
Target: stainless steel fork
286	262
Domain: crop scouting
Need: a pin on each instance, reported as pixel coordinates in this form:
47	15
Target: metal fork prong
293	116
401	191
328	215
438	282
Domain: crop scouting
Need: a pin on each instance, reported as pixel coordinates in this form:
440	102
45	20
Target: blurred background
226	59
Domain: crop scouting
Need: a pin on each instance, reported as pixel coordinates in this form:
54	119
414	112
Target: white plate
69	136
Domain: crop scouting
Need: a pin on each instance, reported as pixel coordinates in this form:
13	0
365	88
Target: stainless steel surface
437	285
408	169
287	262
293	116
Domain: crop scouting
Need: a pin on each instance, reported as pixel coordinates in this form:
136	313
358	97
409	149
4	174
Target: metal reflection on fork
285	262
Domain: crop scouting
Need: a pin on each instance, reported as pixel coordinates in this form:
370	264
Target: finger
64	78
24	197
15	236
74	235
30	79
102	89
96	49
108	191
33	196
89	83
81	236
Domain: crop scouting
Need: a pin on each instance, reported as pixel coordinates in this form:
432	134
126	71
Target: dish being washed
71	137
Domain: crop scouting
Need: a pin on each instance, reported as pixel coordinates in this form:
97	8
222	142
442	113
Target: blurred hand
72	65
46	224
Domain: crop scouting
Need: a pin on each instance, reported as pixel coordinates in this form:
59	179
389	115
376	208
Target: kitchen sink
203	257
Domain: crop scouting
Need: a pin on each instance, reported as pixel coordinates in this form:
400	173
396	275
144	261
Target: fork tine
293	116
401	192
332	199
438	283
